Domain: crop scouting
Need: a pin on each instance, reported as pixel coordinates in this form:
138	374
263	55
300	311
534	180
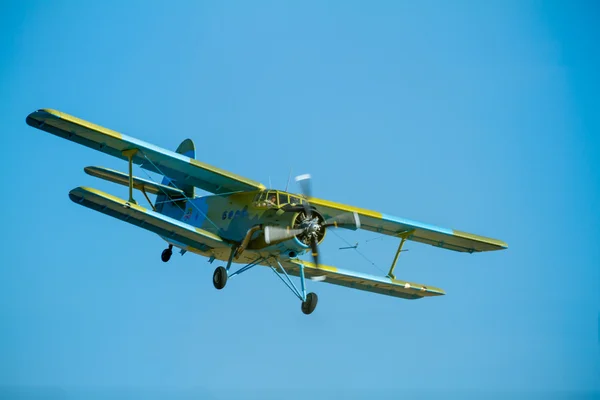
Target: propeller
311	224
346	220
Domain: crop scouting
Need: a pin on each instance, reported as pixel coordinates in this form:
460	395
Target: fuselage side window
283	199
295	200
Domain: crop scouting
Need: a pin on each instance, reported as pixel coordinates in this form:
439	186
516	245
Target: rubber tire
310	304
166	255
220	278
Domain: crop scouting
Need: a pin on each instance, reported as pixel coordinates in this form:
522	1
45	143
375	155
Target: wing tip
487	244
41	113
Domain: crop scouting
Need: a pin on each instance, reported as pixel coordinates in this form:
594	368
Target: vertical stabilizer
188	149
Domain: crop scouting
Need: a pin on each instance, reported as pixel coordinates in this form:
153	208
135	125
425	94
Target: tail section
188	149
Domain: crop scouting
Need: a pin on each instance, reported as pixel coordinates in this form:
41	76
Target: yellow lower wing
356	280
142	217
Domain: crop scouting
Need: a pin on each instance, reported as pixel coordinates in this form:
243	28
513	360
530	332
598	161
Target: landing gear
220	278
309	305
167	253
309	301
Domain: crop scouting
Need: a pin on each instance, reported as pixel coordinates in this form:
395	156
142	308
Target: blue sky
478	116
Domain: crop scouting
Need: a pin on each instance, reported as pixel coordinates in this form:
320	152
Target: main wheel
310	304
166	255
220	278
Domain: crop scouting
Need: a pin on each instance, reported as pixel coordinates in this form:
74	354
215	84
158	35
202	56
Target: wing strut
404	236
129	154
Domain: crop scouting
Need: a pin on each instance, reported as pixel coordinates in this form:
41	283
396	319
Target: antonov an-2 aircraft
242	221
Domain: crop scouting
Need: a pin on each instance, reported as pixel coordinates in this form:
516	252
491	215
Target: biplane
242	221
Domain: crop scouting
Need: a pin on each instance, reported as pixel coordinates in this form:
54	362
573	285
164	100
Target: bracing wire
361	254
174	185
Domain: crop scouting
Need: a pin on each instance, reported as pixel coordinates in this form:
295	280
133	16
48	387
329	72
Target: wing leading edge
152	158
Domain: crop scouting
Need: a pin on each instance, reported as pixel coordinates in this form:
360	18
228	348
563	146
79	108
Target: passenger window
295	200
283	199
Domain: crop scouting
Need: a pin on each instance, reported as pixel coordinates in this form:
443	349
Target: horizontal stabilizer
134	214
141	184
357	280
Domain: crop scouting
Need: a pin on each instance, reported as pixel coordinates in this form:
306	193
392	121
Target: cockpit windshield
273	198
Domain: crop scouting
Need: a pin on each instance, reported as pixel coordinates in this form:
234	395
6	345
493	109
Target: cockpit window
261	200
283	199
272	198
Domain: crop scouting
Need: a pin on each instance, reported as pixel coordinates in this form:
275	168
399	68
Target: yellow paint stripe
208	234
84	190
313	266
344	207
78	121
482	239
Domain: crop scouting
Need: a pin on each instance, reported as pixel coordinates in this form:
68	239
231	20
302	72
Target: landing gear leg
222	273
167	253
309	301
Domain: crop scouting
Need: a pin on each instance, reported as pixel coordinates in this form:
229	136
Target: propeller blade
305	184
347	220
315	251
276	234
304	181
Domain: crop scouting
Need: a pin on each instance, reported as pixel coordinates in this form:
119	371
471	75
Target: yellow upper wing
176	166
394	226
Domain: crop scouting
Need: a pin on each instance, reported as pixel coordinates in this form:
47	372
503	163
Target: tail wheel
220	278
309	305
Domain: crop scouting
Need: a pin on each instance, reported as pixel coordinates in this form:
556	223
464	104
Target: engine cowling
298	244
313	226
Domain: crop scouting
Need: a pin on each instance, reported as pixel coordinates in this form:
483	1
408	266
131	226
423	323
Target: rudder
188	149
